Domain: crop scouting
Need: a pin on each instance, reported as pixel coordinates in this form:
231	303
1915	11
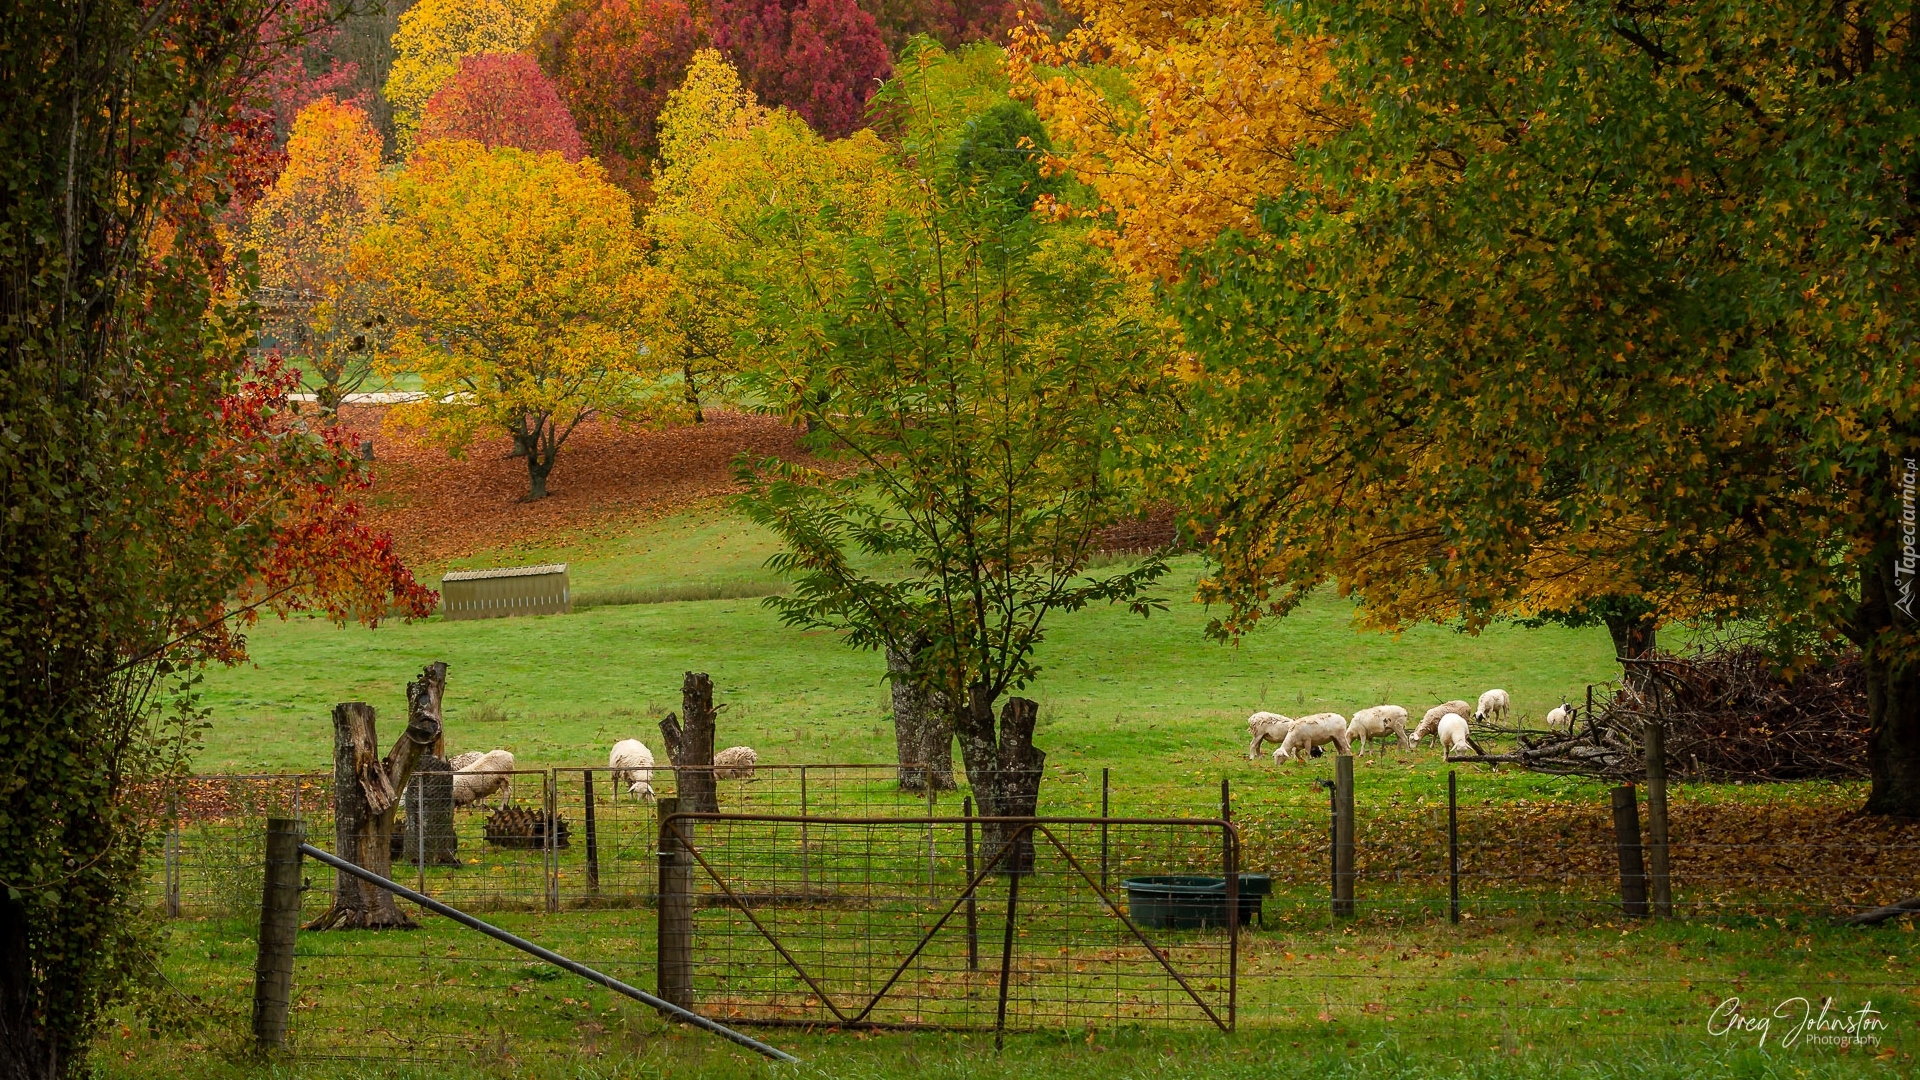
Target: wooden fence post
173	854
1453	848
1626	838
1343	904
1662	880
675	953
593	844
279	924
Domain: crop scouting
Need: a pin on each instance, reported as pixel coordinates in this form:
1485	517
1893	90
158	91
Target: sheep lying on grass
1431	722
735	763
632	765
1453	735
1493	704
1309	732
477	775
1378	721
1266	727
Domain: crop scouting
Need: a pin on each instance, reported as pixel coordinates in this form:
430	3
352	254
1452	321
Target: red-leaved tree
821	58
615	61
503	99
951	22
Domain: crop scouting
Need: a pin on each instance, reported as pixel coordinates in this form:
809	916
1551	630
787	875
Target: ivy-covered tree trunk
1004	769
1884	630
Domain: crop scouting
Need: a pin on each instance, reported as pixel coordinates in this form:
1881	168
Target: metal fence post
806	883
1453	848
1343	835
674	956
173	854
551	795
1105	789
279	925
593	843
931	900
1626	838
973	918
1006	942
419	831
1656	740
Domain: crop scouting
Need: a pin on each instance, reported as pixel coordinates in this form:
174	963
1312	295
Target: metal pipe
549	956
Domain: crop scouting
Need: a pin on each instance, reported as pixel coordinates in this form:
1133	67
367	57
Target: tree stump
922	728
429	803
365	797
690	746
1005	770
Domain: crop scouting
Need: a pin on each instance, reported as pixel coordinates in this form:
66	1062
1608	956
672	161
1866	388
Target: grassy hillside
1115	689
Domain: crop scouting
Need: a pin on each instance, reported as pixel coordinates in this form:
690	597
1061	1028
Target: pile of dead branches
1729	714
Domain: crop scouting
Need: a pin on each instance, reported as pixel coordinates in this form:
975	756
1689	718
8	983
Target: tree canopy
433	37
502	99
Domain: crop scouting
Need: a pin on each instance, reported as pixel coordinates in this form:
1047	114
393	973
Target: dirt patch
440	508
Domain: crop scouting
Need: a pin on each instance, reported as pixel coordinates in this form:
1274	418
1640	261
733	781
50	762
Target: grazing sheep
1453	735
735	763
1561	718
1492	703
1377	721
477	775
632	765
1266	727
1431	722
1310	732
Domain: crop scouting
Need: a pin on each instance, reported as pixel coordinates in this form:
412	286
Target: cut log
1909	906
365	800
690	746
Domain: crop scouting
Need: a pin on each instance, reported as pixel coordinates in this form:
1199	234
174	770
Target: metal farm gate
913	922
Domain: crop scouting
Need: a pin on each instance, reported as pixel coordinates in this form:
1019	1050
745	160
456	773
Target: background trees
821	58
615	61
435	34
517	287
502	99
303	229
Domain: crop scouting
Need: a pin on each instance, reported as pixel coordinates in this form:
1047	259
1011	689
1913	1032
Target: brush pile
1729	714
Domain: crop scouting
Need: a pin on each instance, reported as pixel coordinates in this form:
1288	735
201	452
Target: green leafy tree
980	371
1588	302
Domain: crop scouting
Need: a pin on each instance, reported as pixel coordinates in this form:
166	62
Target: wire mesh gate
913	922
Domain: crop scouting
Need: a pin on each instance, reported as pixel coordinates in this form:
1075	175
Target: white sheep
1311	731
1266	727
1561	718
1492	703
632	765
1378	721
1431	722
1453	735
477	775
735	763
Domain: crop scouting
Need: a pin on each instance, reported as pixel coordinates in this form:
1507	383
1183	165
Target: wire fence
826	895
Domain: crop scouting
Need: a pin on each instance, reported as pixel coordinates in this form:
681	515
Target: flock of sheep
1447	721
477	775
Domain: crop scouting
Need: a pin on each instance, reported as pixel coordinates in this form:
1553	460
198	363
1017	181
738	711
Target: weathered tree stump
429	803
690	746
365	798
1005	770
922	728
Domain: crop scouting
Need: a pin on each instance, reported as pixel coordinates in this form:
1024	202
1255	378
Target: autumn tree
821	58
1587	298
502	99
434	36
155	482
303	229
972	367
517	285
615	61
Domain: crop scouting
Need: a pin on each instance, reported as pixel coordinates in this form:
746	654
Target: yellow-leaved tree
1211	101
518	287
738	202
433	37
303	230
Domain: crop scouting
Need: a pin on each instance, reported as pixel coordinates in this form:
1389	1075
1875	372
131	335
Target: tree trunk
1004	769
922	729
690	746
693	394
1634	637
365	800
24	1048
537	471
429	804
1885	630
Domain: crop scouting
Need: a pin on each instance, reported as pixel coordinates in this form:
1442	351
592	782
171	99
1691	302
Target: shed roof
511	571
